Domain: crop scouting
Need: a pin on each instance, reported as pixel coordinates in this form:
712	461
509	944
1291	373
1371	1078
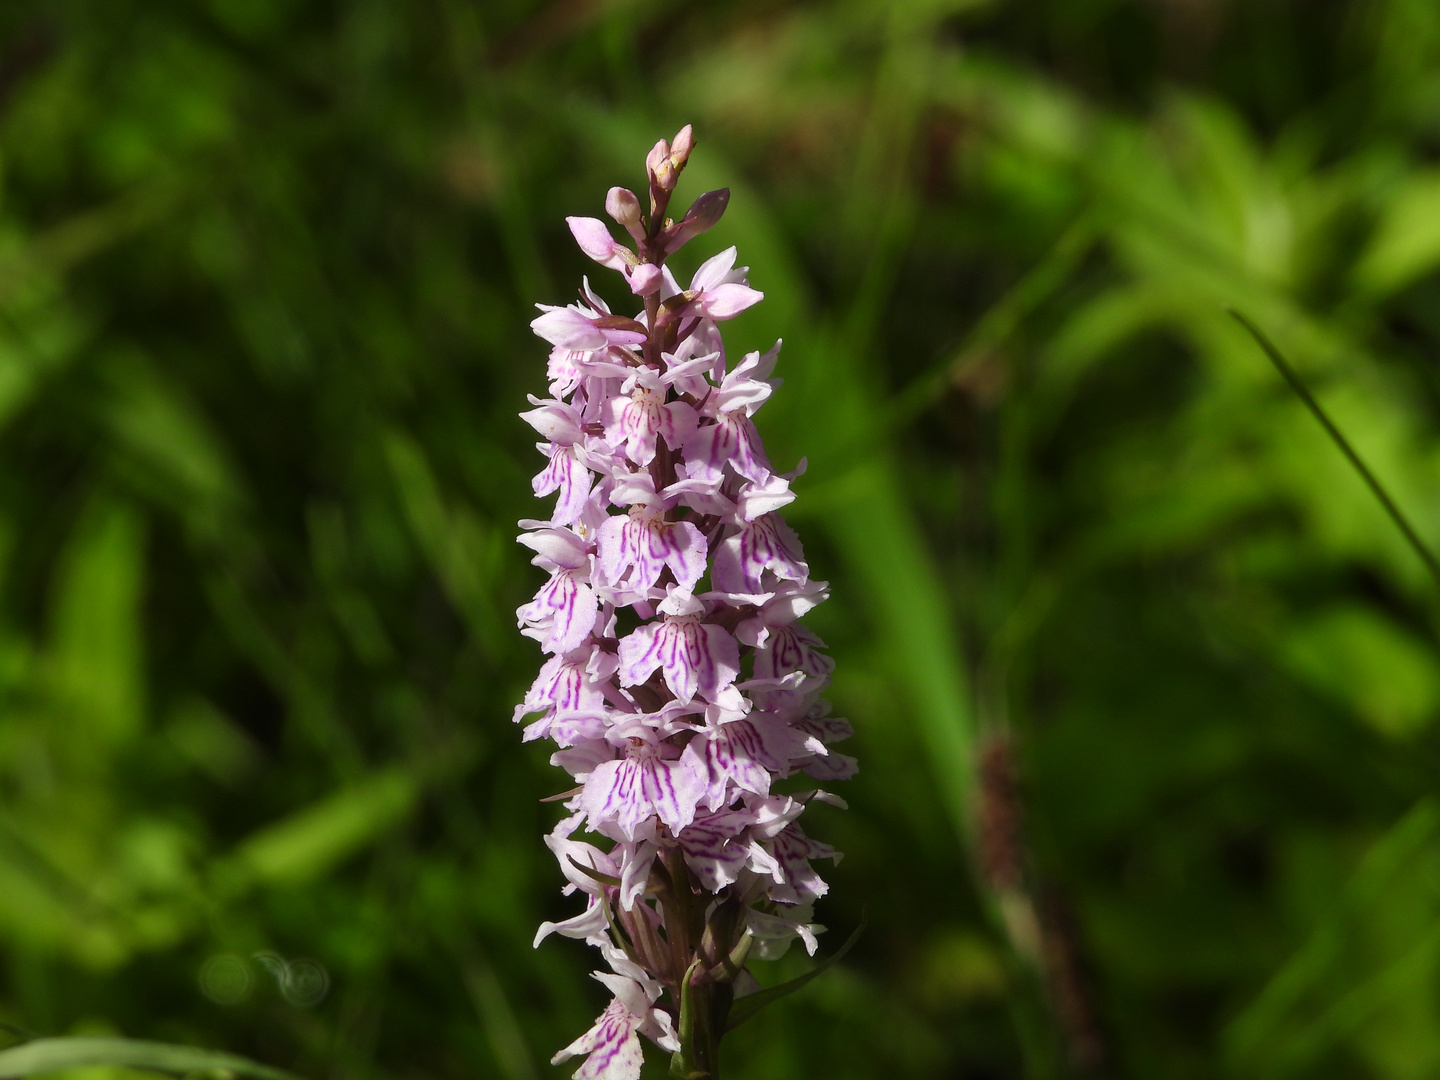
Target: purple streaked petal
684	547
562	614
565	685
694	657
713	853
637	421
612	1046
673	789
831	766
767	543
639	656
798	883
644	542
632	790
567	474
733	440
743	755
792	648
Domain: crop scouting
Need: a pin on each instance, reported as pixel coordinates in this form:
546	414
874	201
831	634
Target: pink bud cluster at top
680	685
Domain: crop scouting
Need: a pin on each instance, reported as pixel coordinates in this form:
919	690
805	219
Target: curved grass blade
746	1007
52	1055
1401	522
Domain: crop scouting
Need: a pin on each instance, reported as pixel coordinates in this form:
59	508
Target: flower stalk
680	688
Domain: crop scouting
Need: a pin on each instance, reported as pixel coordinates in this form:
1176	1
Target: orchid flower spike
676	721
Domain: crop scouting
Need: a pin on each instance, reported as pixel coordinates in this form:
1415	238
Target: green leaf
1332	981
311	841
682	1064
1406	244
461	549
746	1007
96	665
52	1055
590	871
1368	661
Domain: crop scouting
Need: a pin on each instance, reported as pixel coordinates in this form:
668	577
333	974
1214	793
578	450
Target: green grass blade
53	1055
1378	489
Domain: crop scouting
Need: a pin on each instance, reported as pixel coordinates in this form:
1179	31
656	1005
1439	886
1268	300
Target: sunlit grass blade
53	1055
1376	488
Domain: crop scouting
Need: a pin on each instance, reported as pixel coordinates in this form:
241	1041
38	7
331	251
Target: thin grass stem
1378	489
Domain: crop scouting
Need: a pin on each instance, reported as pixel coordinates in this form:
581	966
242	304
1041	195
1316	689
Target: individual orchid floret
595	240
633	550
765	545
694	656
680	690
612	1046
638	418
625	797
574	328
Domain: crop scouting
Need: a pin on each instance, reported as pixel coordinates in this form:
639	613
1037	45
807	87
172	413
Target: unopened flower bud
681	147
622	205
701	217
657	164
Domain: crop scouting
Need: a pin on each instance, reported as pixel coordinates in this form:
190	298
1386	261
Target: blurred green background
266	270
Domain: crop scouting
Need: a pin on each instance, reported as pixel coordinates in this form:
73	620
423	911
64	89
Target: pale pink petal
569	329
726	301
590	923
713	271
643	279
595	240
764	497
556	421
